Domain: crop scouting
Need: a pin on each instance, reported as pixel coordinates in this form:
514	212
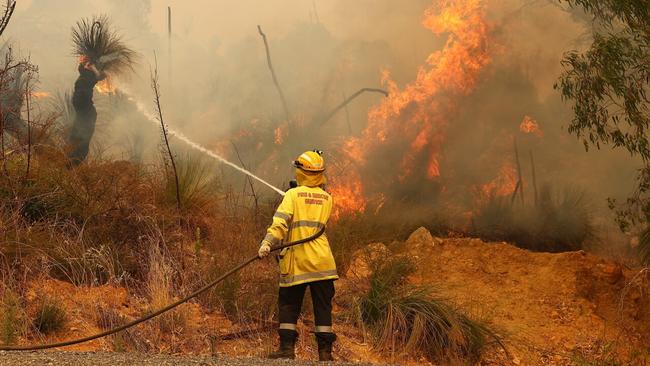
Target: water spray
200	148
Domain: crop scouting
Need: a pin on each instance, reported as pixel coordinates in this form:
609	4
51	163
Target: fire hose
166	308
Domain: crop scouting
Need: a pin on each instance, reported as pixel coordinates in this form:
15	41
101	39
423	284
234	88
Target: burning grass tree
102	53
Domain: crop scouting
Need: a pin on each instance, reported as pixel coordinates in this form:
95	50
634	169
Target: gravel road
136	359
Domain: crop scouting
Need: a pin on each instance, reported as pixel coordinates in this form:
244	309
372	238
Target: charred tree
101	52
83	126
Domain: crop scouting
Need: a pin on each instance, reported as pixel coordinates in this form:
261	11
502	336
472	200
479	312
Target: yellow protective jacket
303	211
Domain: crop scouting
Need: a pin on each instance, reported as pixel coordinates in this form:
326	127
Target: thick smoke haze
217	88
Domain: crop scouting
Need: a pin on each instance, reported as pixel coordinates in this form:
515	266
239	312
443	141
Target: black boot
325	341
287	345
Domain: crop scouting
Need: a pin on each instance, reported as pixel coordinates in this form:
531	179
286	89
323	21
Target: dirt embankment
551	309
559	309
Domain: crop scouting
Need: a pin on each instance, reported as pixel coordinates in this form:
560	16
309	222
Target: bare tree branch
248	178
347	115
348	100
275	79
9	10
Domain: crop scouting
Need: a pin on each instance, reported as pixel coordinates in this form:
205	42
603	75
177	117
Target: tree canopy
608	86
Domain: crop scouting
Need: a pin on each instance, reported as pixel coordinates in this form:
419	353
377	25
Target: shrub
12	317
50	316
558	222
410	319
80	263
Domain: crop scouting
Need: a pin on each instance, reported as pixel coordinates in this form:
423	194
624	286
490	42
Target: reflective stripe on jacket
303	211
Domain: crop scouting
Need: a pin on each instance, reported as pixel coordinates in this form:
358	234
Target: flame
280	133
529	125
503	185
106	86
410	125
40	95
348	195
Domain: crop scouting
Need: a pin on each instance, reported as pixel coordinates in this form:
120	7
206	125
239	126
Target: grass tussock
557	222
410	319
197	185
50	316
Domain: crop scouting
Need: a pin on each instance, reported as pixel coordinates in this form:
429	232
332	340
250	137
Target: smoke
217	90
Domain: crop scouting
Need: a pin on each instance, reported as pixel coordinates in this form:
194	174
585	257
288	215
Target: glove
265	249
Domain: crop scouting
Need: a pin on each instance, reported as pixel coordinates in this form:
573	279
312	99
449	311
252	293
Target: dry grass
127	340
161	287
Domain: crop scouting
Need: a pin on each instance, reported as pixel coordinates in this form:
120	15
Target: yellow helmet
311	161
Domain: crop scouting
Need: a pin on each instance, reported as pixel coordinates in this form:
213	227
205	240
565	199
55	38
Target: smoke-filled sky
220	88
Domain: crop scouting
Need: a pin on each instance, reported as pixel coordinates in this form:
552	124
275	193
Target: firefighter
304	210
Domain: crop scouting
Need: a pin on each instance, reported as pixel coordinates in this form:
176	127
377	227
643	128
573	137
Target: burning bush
410	319
557	222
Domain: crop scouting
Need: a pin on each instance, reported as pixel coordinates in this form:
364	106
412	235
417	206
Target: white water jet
153	119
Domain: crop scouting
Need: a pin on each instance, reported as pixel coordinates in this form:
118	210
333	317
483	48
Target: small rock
420	239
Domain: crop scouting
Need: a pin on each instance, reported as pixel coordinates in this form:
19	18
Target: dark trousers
290	304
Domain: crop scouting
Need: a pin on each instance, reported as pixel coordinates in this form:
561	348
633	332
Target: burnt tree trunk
83	126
